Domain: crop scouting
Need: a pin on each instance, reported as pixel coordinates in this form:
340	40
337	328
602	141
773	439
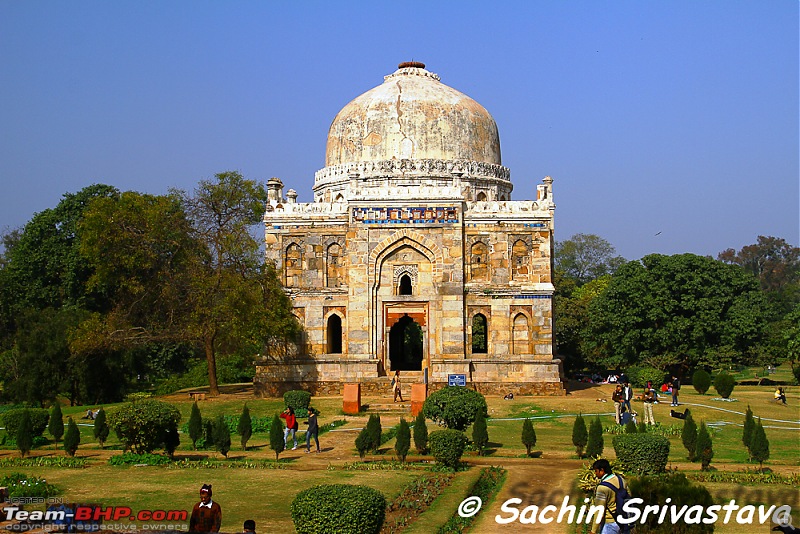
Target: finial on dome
411	64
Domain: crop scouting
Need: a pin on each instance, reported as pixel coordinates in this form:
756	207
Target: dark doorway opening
405	285
405	345
334	334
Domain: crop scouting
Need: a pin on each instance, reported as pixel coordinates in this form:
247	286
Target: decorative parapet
411	167
291	212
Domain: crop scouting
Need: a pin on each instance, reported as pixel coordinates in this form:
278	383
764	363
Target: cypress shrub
580	436
594	445
56	424
403	442
529	435
245	426
480	435
297	400
454	406
703	447
171	441
689	436
195	425
641	428
222	436
363	442
724	383
23	434
630	427
701	381
759	445
339	508
72	438
420	434
101	429
447	446
374	432
642	454
276	442
747	431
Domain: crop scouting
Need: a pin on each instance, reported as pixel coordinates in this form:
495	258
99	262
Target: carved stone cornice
413	168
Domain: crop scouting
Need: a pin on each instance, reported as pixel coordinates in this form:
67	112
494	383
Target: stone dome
412	115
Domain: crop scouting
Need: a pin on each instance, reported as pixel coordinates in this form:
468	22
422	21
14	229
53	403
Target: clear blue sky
679	117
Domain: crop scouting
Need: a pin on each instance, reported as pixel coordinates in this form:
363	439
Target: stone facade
412	257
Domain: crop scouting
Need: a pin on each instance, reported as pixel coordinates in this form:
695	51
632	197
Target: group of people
623	394
292	427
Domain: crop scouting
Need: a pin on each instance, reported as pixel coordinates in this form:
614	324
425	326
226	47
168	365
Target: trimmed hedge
143	425
297	399
454	406
339	509
39	418
643	454
724	383
672	490
447	446
701	381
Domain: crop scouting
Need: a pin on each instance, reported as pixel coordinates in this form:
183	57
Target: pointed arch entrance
406	345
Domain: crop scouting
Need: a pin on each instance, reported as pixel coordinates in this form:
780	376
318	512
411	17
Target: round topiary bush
297	399
639	376
144	426
724	383
701	381
447	446
454	406
642	454
340	509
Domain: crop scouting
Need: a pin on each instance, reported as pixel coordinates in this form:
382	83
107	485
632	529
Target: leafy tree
529	435
72	438
747	430
24	435
580	436
703	447
101	429
675	310
420	434
480	435
594	445
245	426
689	436
276	442
724	384
759	445
143	425
403	442
56	424
586	257
571	310
454	406
701	381
773	261
195	425
374	431
222	436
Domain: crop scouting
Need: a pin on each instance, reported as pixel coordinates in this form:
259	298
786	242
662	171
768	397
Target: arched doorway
405	345
334	334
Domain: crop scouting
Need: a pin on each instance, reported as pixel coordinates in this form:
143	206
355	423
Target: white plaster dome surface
412	115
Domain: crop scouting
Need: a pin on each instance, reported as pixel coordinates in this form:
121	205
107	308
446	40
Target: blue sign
457	380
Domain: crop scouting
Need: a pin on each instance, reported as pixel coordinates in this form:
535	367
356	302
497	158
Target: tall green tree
580	436
420	433
222	436
759	445
480	435
56	423
675	310
747	429
586	257
689	436
772	260
101	429
595	445
24	435
195	425
403	442
276	442
245	426
72	438
704	449
528	436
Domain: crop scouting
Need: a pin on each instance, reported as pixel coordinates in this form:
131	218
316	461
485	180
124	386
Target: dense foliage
724	384
72	438
595	445
276	441
642	453
56	423
689	436
529	436
580	436
297	399
455	407
704	450
143	426
447	446
37	417
339	509
480	434
403	442
421	433
245	427
671	489
701	381
100	428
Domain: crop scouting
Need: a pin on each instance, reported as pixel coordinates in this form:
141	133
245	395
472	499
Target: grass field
266	494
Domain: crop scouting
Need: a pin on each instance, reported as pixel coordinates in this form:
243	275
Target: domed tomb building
413	256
